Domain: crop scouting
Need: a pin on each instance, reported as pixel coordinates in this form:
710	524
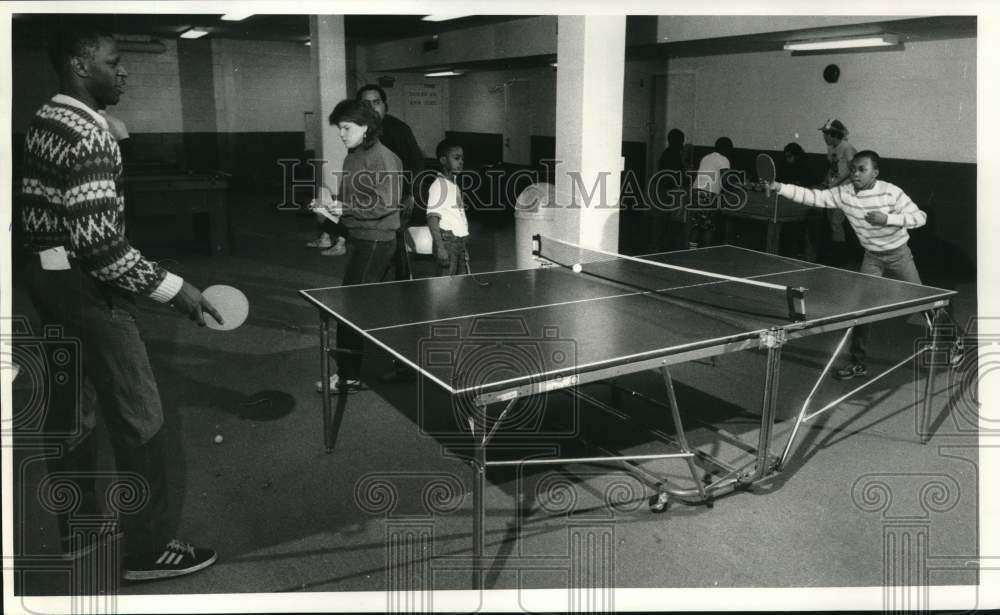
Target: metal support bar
928	388
805	405
679	426
496	424
567	460
727	435
478	484
865	385
324	375
662	435
768	406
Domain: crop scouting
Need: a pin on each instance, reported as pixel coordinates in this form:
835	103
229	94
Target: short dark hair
445	146
675	138
795	149
870	155
360	113
74	39
724	145
371	87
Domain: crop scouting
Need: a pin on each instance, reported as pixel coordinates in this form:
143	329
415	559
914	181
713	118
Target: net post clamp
773	338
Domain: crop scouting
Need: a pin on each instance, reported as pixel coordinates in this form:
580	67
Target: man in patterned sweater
83	277
880	214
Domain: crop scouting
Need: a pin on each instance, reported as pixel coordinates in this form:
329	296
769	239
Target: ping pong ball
577	268
796	135
218	439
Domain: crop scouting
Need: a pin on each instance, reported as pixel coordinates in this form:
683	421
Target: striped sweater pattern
71	196
888	198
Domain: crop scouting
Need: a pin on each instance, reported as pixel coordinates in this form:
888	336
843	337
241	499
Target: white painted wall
152	100
262	86
510	39
919	103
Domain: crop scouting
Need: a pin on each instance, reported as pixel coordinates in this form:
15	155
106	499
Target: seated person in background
703	212
668	197
446	210
795	171
880	214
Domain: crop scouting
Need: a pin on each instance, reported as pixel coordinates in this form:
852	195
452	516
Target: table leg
773	237
324	374
768	408
478	426
925	411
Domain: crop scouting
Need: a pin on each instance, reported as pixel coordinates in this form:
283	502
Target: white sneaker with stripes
175	559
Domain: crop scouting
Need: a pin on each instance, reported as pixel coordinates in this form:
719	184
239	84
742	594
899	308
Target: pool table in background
199	195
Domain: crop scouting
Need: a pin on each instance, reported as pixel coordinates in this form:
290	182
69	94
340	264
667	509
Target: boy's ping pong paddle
765	171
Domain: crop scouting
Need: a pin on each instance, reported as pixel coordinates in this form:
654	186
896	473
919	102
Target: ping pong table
773	211
588	326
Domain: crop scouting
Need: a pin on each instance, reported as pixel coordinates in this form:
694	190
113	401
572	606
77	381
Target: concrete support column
328	56
589	89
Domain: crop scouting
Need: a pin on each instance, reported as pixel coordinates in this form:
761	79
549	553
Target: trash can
532	216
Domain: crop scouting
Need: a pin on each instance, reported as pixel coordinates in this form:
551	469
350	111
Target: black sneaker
854	370
86	540
174	560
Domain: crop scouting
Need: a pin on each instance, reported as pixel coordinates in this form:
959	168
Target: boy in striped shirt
880	214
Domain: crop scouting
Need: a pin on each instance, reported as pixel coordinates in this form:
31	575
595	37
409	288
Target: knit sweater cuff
894	219
168	288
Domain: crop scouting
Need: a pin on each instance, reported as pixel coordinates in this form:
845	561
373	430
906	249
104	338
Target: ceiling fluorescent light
443	73
443	17
882	40
235	16
194	33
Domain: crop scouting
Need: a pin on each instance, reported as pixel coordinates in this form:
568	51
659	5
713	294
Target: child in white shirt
446	210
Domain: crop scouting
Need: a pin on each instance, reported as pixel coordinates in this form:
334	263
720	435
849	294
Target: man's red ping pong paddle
765	171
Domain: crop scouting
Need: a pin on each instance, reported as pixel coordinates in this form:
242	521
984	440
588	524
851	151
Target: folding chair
419	242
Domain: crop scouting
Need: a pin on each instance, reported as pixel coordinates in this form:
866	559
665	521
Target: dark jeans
457	253
895	264
116	380
702	219
333	229
400	264
367	261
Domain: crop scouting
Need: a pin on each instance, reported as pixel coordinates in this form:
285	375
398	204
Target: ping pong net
674	281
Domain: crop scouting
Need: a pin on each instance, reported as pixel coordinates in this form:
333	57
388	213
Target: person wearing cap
839	153
368	206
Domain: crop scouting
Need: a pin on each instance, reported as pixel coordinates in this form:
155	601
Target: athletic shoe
174	560
86	540
348	385
956	353
323	241
338	249
854	370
